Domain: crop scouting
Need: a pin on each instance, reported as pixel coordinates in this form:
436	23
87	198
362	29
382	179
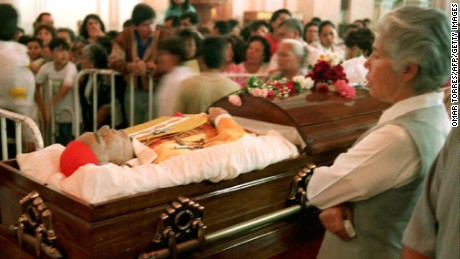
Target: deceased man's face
109	145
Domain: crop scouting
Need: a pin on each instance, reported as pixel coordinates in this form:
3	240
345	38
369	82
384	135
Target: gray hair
293	24
418	35
297	48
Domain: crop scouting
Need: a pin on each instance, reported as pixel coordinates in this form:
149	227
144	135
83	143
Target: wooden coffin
125	227
328	124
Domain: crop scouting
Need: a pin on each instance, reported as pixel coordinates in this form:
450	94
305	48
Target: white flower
332	58
235	99
305	83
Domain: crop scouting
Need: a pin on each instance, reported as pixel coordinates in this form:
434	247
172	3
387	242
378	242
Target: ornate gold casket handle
35	227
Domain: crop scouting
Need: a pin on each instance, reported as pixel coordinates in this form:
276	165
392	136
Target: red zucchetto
76	154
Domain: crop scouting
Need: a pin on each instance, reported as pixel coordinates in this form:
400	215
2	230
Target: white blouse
385	159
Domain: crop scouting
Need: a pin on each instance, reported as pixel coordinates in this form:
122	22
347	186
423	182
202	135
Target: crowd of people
170	52
370	184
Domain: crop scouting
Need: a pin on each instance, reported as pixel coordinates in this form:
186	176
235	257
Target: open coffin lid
328	124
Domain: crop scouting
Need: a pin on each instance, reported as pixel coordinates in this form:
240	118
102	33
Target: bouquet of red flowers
328	76
277	87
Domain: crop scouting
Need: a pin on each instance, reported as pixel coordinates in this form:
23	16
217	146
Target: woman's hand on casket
333	220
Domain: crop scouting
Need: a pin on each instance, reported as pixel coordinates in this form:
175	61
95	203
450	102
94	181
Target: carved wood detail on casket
298	191
125	227
35	227
182	220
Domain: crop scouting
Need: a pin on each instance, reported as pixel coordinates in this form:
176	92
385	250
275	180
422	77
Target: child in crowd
34	50
66	34
45	33
60	73
76	51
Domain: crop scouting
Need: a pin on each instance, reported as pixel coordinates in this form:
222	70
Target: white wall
327	10
67	13
114	12
360	9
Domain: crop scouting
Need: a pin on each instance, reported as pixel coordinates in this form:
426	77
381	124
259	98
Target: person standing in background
178	7
256	56
94	56
67	34
46	33
273	37
60	73
92	28
134	52
34	50
292	29
198	92
171	58
258	27
43	18
190	20
359	47
327	37
311	36
291	59
17	84
192	43
432	231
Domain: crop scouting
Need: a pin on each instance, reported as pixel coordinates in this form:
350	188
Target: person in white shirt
171	58
59	76
375	185
17	84
311	36
359	48
327	37
292	29
291	59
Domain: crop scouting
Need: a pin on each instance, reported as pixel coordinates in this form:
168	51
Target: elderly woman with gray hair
291	59
375	184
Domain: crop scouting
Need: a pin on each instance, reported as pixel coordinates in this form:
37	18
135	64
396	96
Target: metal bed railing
50	135
112	73
19	120
94	73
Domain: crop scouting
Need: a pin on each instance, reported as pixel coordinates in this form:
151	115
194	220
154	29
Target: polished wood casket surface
328	124
125	227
